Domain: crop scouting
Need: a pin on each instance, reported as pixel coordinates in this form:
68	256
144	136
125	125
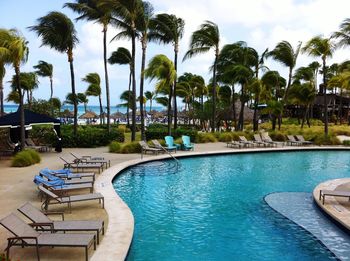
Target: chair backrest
47	174
29	142
40	180
265	136
257	137
186	140
48	192
143	144
300	137
157	144
291	138
18	227
169	140
34	214
64	160
242	138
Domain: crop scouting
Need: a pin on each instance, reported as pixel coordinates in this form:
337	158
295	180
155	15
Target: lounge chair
26	236
47	224
186	142
82	165
292	141
334	193
30	144
259	141
145	148
301	139
234	143
266	138
245	142
159	146
59	185
51	198
169	142
50	177
67	174
90	159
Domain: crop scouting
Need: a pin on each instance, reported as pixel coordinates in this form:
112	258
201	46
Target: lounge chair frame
82	166
333	193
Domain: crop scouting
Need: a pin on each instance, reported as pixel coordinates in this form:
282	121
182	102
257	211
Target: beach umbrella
67	114
117	115
88	115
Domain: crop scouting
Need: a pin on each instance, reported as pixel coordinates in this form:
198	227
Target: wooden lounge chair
82	165
301	139
259	141
51	198
159	146
247	143
266	138
334	193
292	141
47	224
90	159
26	236
145	148
234	143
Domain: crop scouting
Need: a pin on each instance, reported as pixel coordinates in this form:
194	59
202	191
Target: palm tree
150	96
29	82
92	10
45	69
94	89
143	24
2	75
123	56
286	55
343	35
162	69
205	38
13	47
322	47
83	99
168	29
57	31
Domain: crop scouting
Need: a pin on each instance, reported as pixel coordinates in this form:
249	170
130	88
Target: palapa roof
88	115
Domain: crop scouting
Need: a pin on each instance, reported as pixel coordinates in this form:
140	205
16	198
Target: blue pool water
212	208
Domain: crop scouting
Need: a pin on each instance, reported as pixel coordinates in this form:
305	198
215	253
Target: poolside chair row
45	231
86	162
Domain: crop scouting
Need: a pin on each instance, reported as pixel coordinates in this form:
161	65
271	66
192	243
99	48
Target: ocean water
213	208
81	109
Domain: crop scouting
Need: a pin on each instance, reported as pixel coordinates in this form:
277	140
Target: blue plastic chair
169	142
187	143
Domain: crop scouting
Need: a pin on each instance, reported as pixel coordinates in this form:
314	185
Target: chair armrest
36	225
56	213
10	239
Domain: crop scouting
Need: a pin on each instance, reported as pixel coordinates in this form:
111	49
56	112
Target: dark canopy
13	119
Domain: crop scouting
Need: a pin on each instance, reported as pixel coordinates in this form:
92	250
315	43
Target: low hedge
205	138
26	158
129	147
159	131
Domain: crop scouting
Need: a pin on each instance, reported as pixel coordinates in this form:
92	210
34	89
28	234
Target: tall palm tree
82	98
93	10
29	82
45	69
126	14
57	31
123	56
286	55
143	24
168	29
322	47
162	69
343	35
94	89
14	47
2	75
205	38
150	96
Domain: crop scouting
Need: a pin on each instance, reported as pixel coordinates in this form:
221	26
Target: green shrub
277	136
130	147
114	147
25	158
327	140
159	131
225	137
205	138
346	142
178	141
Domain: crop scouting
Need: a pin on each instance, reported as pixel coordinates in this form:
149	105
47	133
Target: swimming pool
212	207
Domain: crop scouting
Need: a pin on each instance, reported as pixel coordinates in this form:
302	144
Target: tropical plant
14	48
168	29
2	75
162	69
322	47
123	56
100	12
343	35
29	82
57	31
94	89
205	38
150	96
45	69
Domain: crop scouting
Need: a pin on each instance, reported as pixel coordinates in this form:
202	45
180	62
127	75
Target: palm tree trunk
51	87
1	97
175	102
101	109
150	105
255	120
28	99
241	113
133	104
143	65
128	103
106	77
304	116
21	107
340	108
325	98
214	93
169	109
70	59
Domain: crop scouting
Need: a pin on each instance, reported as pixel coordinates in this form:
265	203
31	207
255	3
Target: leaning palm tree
123	56
343	35
14	47
94	89
45	69
162	69
150	96
168	29
286	55
322	47
93	10
57	31
205	38
29	82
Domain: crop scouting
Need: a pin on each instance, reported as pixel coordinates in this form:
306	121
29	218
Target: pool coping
119	233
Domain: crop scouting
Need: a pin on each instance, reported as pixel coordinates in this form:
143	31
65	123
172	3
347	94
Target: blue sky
261	23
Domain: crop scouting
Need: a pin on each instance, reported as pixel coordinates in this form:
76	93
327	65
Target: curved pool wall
258	212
